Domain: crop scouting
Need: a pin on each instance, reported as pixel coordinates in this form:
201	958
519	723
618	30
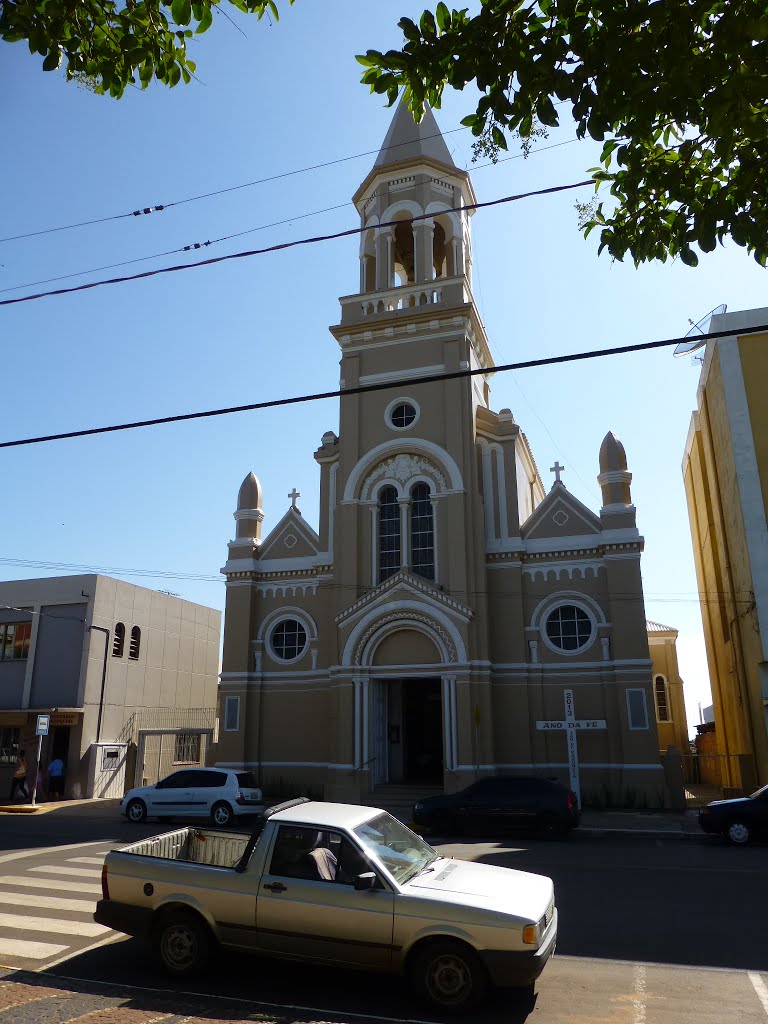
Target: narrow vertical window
118	640
637	712
135	646
422	532
389	533
662	704
231	714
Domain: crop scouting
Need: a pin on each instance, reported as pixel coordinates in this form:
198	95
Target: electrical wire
570	357
290	245
239	234
160	207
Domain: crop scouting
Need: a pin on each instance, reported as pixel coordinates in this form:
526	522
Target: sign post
41	729
569	725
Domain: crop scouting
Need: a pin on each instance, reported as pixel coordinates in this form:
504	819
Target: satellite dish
698	332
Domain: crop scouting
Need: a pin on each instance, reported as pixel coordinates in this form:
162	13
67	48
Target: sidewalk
642	824
95	807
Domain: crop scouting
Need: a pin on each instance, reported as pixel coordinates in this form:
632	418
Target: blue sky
282	98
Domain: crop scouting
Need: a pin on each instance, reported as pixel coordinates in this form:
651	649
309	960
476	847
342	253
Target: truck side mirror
367	880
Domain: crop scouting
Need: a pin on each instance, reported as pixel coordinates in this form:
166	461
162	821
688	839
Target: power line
290	245
160	207
172	252
274	403
239	234
672	597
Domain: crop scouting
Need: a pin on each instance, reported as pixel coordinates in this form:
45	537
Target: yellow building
671	720
725	469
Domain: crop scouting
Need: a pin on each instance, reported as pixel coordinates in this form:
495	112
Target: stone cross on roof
557	469
293	496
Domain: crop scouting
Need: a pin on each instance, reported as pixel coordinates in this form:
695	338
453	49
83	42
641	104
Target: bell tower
414	316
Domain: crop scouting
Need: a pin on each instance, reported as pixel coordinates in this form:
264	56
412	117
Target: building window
9	745
118	640
662	703
288	640
401	415
637	709
569	628
187	748
389	533
422	532
135	645
14	640
231	714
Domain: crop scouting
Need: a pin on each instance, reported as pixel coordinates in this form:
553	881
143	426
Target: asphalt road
650	931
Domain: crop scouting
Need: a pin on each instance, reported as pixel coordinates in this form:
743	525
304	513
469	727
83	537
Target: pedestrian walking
19	780
56	779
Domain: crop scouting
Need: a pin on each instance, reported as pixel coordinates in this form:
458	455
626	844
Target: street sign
570	725
43	725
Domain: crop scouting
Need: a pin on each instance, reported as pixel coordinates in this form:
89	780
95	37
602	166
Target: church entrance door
408	732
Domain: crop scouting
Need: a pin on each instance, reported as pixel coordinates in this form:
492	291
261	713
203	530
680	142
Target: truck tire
182	942
136	811
221	813
447	974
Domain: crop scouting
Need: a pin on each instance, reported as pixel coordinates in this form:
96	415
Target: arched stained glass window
422	532
389	533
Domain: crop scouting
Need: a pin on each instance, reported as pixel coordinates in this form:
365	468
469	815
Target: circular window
288	640
401	414
569	628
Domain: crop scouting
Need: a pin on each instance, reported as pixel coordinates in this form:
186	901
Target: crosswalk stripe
55	884
29	899
50	924
62	869
88	860
29	950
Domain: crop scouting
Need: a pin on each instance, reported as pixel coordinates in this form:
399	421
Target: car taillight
104	882
571	802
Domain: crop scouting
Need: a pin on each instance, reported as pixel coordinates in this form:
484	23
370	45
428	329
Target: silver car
218	794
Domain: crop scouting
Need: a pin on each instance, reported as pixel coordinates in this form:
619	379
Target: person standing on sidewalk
19	780
56	779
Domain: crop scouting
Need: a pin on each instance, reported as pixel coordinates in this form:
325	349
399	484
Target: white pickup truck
334	883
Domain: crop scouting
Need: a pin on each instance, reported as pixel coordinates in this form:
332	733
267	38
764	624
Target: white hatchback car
216	793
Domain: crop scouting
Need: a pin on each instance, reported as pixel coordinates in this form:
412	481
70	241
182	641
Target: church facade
450	613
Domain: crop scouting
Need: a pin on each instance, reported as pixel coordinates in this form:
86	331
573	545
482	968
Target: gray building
127	674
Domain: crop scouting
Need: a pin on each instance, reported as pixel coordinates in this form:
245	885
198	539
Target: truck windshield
402	852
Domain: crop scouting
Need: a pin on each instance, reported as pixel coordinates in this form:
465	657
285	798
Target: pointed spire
407	140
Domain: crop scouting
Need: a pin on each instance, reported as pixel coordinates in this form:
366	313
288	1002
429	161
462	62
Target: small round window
402	415
569	628
288	640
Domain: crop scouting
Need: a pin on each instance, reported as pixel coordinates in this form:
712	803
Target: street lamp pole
101	629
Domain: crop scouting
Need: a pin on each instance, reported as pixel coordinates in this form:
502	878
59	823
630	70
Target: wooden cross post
569	725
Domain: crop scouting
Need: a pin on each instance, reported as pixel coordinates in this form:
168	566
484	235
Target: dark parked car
502	803
737	820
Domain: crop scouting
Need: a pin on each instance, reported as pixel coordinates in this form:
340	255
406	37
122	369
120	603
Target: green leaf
52	61
206	20
181	10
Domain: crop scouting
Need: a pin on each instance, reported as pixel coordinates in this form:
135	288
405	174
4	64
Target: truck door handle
275	886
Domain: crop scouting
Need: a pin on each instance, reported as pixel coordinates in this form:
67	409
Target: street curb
52	805
638	833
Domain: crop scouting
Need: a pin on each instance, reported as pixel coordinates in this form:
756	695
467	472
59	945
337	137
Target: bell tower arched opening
404	252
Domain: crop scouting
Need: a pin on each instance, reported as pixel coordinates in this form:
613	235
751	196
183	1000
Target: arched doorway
407	710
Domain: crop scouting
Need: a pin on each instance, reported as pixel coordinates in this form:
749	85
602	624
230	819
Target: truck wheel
221	814
738	832
182	943
448	974
136	811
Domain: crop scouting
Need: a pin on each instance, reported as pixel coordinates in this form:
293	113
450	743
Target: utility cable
274	403
239	234
160	207
290	245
